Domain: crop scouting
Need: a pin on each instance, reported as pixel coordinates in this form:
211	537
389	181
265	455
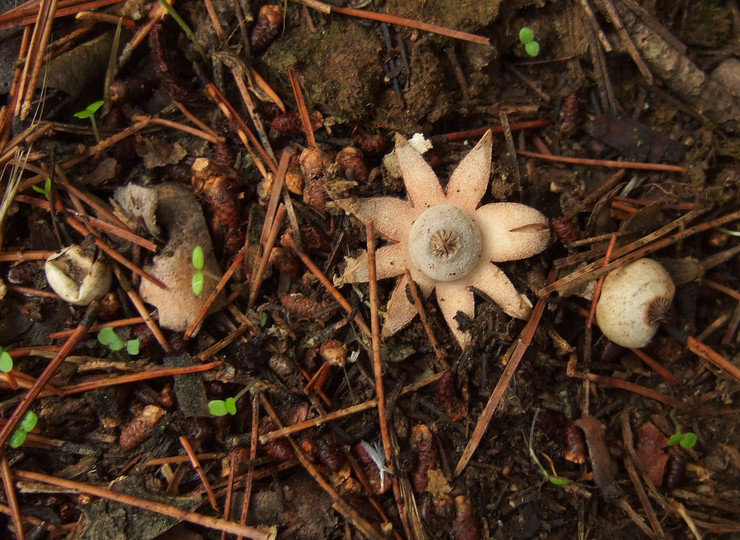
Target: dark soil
363	83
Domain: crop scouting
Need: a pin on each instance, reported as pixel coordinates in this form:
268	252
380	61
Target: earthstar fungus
448	244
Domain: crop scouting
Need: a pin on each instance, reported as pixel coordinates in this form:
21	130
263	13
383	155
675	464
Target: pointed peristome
392	217
469	181
422	185
511	231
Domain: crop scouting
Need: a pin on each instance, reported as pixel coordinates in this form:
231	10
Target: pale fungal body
78	275
634	300
445	241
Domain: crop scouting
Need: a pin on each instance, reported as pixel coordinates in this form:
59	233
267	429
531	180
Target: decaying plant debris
266	405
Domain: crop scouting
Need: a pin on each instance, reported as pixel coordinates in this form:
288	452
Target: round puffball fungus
633	302
445	243
78	274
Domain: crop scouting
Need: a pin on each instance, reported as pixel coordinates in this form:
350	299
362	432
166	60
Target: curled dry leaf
178	213
604	468
575	444
650	444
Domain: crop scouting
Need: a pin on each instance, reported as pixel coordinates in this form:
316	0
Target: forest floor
622	131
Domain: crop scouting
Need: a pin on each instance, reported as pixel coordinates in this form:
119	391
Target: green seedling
198	282
198	278
222	407
108	337
185	28
6	361
554	479
532	48
89	112
46	190
526	36
684	440
199	258
26	425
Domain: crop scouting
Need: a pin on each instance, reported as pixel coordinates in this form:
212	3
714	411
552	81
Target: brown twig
634	388
385	435
105	17
97	327
7	111
106	381
267	248
34	60
213	349
595	25
27	137
354	409
710	355
156	13
658	368
439	353
216	23
141	308
271	94
248	481
302	109
49	371
110	141
605	162
402	21
195	120
92	221
529	82
25	15
600	283
198	469
11	497
18	379
659	29
245	134
629	462
192	330
102	211
627	40
484	420
478	132
205	135
679	206
732	326
184	459
232	456
29	291
146	504
721	288
240	71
